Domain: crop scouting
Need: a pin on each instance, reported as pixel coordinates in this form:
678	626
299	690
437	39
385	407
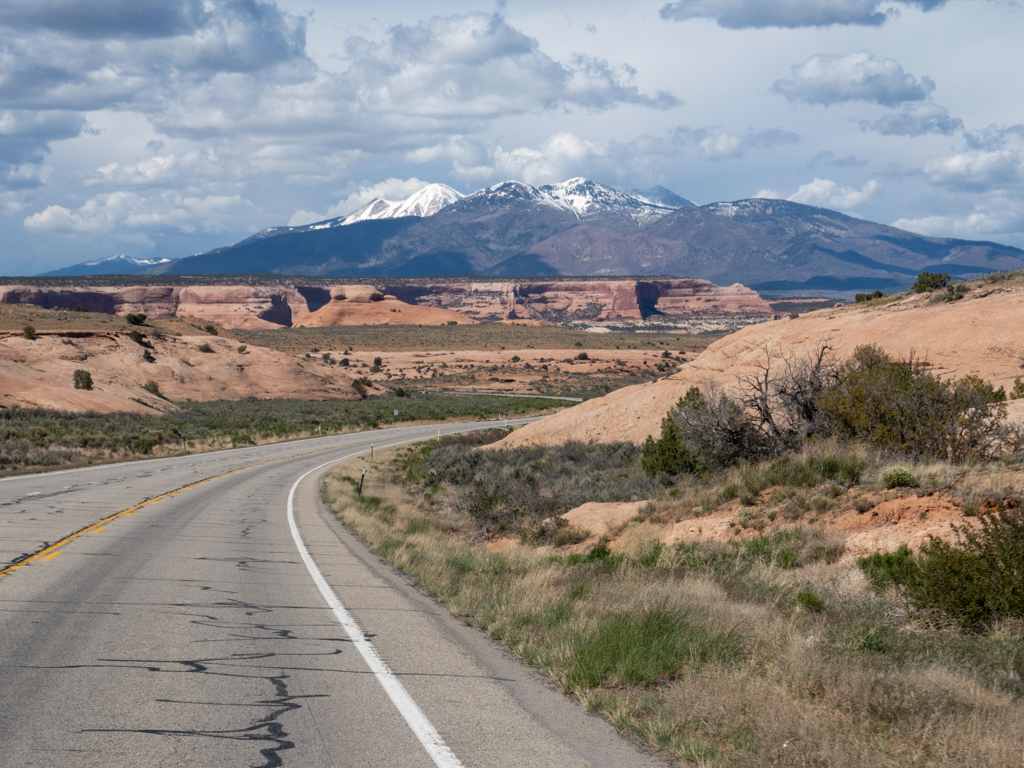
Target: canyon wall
596	302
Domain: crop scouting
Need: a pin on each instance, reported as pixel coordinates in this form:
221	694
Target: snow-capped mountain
118	264
428	201
661	196
583	198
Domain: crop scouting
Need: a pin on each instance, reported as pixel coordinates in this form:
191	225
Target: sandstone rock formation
365	305
595	301
39	373
979	335
681	302
232	306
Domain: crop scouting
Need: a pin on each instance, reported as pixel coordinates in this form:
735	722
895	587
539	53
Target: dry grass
755	679
406	338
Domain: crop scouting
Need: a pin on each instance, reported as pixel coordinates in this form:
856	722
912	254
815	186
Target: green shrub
899	477
28	332
152	387
204	347
242	349
898	405
1018	389
862	297
582	356
980	580
133	319
148	356
82	379
930	281
80	308
810	602
956	290
885	569
746	515
360	388
210	328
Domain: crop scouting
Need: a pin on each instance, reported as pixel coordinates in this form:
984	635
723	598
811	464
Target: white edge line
428	736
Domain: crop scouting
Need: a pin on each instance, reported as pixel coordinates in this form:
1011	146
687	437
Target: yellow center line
51	552
97	530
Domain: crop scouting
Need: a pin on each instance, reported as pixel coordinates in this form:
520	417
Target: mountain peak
428	201
660	196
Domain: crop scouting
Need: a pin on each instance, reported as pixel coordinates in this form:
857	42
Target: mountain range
580	227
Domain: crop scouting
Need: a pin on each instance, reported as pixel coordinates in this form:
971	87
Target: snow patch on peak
428	201
586	198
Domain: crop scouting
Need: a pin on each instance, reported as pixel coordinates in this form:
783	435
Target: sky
163	128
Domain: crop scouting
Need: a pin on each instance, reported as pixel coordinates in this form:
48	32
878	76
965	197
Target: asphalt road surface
209	611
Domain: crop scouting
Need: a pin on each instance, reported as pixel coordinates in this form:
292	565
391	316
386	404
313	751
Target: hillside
39	373
579	227
978	335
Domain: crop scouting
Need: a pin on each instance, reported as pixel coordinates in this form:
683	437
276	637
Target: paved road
231	621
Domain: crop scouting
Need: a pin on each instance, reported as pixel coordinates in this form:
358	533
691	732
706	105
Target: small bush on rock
82	379
899	477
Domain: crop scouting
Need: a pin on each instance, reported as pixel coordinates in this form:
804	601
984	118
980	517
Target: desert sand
38	373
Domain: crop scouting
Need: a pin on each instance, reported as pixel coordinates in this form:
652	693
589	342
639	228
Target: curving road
209	611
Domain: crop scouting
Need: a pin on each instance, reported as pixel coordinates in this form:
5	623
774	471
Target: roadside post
361	478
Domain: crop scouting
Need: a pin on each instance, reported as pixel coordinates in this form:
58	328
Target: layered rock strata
413	302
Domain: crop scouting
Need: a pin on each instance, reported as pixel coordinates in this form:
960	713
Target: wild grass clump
514	489
657	644
767	650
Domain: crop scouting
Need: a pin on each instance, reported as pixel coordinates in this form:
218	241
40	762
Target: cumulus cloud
389	189
557	158
564	154
825	193
105	18
25	138
978	170
478	66
717	144
742	14
830	79
168	210
994	136
917	120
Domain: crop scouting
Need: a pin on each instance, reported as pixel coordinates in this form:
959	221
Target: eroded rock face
598	301
274	306
975	336
365	305
232	306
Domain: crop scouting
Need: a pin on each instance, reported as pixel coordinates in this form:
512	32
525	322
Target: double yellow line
51	552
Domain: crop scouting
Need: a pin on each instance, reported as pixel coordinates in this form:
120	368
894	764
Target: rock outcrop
39	373
979	335
684	303
365	305
587	301
232	306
